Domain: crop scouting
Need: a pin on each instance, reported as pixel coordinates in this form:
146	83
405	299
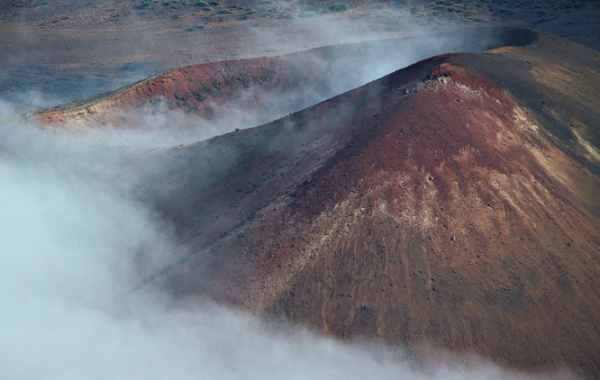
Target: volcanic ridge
453	203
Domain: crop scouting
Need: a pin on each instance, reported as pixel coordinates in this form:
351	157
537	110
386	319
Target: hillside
452	203
390	174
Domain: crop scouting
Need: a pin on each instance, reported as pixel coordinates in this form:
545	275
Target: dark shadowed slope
454	203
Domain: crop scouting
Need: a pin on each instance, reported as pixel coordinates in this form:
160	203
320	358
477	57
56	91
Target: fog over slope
75	244
197	102
69	247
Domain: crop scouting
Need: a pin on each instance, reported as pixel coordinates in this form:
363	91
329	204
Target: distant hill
85	13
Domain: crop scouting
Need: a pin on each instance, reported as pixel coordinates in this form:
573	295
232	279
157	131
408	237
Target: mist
73	247
302	80
75	244
27	86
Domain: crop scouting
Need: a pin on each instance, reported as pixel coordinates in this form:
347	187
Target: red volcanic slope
454	203
200	89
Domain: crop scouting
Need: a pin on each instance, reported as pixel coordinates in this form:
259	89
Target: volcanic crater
452	203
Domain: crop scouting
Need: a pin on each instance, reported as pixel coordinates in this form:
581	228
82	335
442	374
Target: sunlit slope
455	202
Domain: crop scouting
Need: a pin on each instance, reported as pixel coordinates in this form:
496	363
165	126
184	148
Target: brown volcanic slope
455	203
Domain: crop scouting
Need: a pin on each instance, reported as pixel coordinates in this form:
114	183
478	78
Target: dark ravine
453	203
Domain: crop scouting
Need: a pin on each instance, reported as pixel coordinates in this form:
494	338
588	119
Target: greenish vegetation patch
196	28
145	4
339	7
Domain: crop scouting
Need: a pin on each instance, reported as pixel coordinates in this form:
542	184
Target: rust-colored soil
454	203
